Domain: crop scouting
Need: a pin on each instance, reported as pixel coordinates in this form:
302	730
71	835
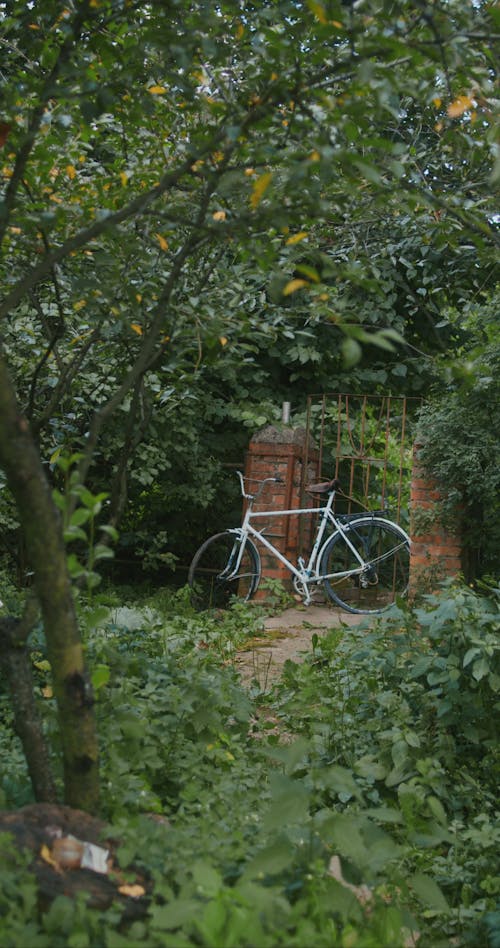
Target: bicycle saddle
324	488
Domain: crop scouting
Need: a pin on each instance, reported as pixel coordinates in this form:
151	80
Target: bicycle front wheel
374	586
216	577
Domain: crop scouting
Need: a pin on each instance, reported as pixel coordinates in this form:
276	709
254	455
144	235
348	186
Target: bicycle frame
306	574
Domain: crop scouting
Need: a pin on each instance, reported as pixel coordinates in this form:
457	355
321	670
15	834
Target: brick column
279	452
436	551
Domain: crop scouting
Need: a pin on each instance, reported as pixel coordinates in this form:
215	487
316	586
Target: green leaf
110	531
437	810
79	516
429	892
480	669
206	878
174	915
74	533
100	676
351	353
340	780
103	552
272	859
289	802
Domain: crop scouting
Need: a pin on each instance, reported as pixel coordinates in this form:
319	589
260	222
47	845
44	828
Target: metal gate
365	441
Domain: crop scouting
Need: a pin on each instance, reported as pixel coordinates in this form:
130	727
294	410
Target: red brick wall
436	551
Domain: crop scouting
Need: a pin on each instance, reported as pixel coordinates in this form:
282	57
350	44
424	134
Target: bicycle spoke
214	576
374	586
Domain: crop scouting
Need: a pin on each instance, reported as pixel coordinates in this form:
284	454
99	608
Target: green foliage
377	821
80	508
409	710
459	434
210	236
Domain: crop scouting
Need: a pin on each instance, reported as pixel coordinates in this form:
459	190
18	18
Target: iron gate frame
352	413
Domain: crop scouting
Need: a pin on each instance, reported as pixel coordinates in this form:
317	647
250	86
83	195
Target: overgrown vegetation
206	210
459	435
356	804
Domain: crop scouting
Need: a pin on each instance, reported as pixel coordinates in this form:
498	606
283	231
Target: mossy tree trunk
42	529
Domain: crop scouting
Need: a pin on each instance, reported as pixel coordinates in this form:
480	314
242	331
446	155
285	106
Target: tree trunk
15	660
46	554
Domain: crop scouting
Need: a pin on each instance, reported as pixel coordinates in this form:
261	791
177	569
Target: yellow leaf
240	29
134	891
136	328
115	310
219	215
318	10
165	339
47	856
315	156
437	102
459	106
259	188
296	238
47	692
123	178
249	172
274	76
138	297
157	90
338	24
71	171
293	286
223	340
162	242
79	305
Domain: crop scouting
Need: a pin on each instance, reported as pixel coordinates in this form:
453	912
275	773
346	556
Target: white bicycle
363	565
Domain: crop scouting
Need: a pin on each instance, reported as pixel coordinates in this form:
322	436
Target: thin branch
85	236
65	381
48	351
150	344
34	123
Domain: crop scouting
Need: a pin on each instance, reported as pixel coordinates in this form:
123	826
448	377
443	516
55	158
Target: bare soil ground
288	636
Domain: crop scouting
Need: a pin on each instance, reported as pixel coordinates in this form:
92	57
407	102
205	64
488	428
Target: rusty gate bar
366	440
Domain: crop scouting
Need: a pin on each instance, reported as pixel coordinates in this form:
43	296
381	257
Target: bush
461	444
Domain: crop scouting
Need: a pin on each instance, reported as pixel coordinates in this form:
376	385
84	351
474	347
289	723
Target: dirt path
287	636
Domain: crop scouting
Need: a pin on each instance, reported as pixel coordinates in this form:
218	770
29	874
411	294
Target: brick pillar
436	551
279	452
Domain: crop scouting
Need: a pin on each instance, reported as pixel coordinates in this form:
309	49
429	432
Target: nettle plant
407	709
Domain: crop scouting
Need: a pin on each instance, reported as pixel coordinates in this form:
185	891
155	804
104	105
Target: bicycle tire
386	549
210	588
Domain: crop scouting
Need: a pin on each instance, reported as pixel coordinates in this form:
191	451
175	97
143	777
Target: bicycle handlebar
267	480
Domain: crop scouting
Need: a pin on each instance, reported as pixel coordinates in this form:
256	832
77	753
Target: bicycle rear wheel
385	550
213	579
